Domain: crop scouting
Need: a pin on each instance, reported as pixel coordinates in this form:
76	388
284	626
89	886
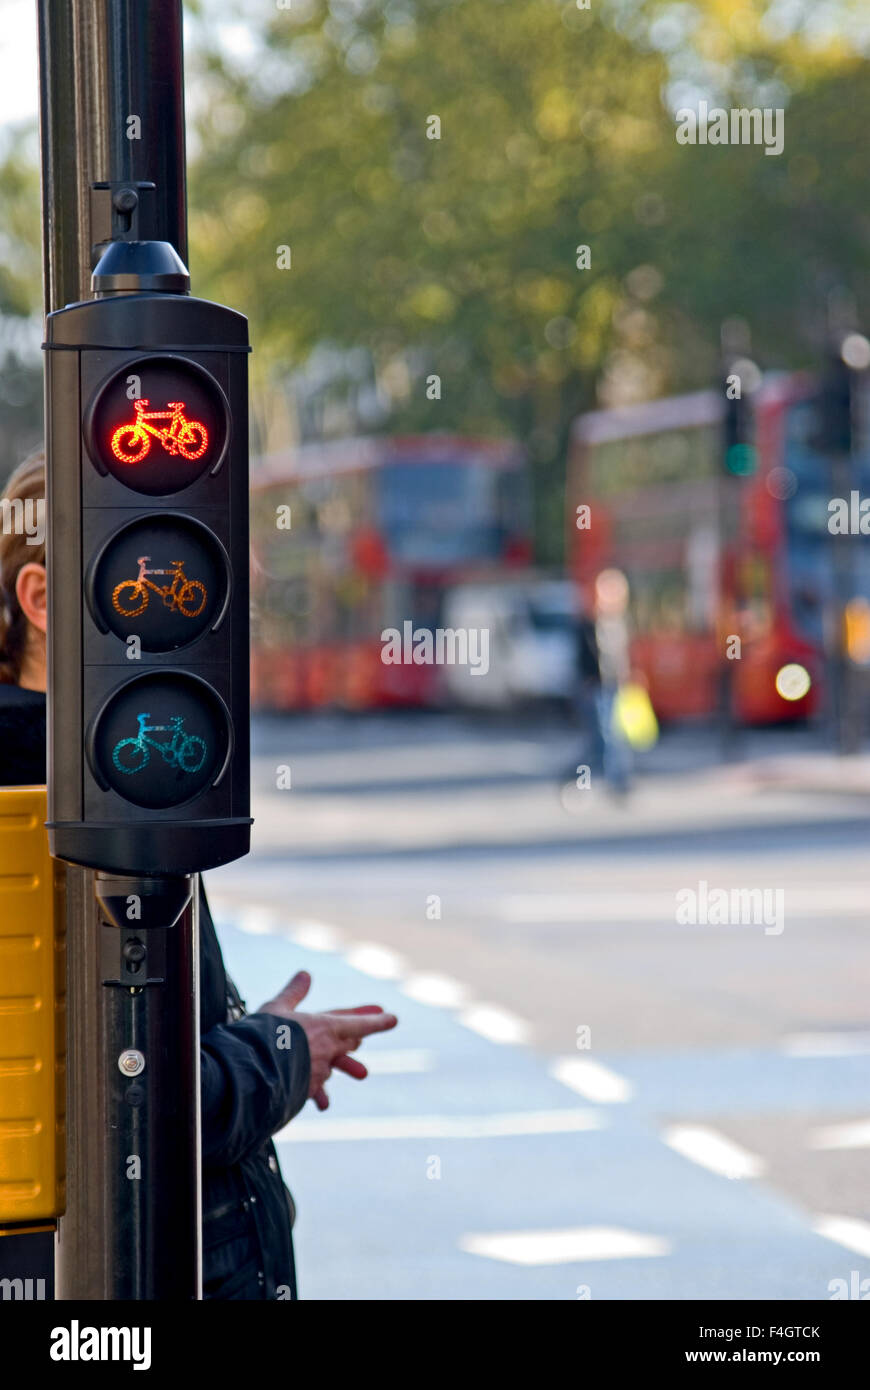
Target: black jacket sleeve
588	667
254	1078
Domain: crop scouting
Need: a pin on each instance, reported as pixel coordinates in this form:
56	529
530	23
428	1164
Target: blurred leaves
20	247
459	250
20	300
459	253
458	256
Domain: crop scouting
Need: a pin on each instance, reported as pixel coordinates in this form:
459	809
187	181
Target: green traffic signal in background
739	453
741	460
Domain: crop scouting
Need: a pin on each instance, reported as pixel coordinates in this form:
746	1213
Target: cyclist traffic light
148	571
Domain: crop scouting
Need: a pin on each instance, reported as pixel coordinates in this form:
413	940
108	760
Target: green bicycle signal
182	750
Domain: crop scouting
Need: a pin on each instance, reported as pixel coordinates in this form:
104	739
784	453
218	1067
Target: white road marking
659	906
502	1126
405	763
315	936
569	1246
498	1025
712	1150
378	961
586	907
826	1044
845	1230
256	921
397	1063
428	987
855	1135
591	1079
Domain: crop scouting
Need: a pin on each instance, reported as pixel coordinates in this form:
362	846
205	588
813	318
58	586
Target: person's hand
331	1035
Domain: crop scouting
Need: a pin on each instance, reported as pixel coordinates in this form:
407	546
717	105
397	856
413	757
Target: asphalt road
587	1096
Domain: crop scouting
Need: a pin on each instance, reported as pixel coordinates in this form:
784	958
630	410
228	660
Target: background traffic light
739	452
833	433
148	572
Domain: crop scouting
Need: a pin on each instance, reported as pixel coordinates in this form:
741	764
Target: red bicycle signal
131	443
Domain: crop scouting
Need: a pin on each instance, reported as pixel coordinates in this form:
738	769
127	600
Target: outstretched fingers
295	990
351	1067
360	1009
362	1025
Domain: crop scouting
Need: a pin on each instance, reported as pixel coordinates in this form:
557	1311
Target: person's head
611	593
22	576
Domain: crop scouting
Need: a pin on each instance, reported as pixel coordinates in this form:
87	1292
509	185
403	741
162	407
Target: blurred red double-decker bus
352	537
709	556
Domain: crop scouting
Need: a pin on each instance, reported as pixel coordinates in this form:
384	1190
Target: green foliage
457	256
460	251
20	256
20	295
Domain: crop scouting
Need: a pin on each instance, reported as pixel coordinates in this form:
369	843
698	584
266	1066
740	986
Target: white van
532	625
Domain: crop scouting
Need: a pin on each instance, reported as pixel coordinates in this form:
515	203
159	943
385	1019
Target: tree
20	295
434	170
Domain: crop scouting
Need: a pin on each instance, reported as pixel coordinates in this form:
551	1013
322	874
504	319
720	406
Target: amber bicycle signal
132	442
186	596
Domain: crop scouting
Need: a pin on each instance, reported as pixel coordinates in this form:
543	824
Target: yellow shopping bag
634	717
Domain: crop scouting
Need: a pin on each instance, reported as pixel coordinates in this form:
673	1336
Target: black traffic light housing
833	409
148	571
739	451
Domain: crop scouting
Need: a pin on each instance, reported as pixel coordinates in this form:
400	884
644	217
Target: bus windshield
439	514
809	486
654	496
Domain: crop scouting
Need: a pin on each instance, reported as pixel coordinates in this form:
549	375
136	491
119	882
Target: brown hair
16	550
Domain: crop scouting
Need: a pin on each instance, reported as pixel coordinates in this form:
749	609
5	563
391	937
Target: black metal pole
105	65
112	110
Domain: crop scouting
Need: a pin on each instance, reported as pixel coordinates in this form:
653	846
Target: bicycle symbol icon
187	596
132	442
182	750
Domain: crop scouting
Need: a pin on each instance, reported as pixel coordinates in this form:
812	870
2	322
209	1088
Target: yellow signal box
32	1017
